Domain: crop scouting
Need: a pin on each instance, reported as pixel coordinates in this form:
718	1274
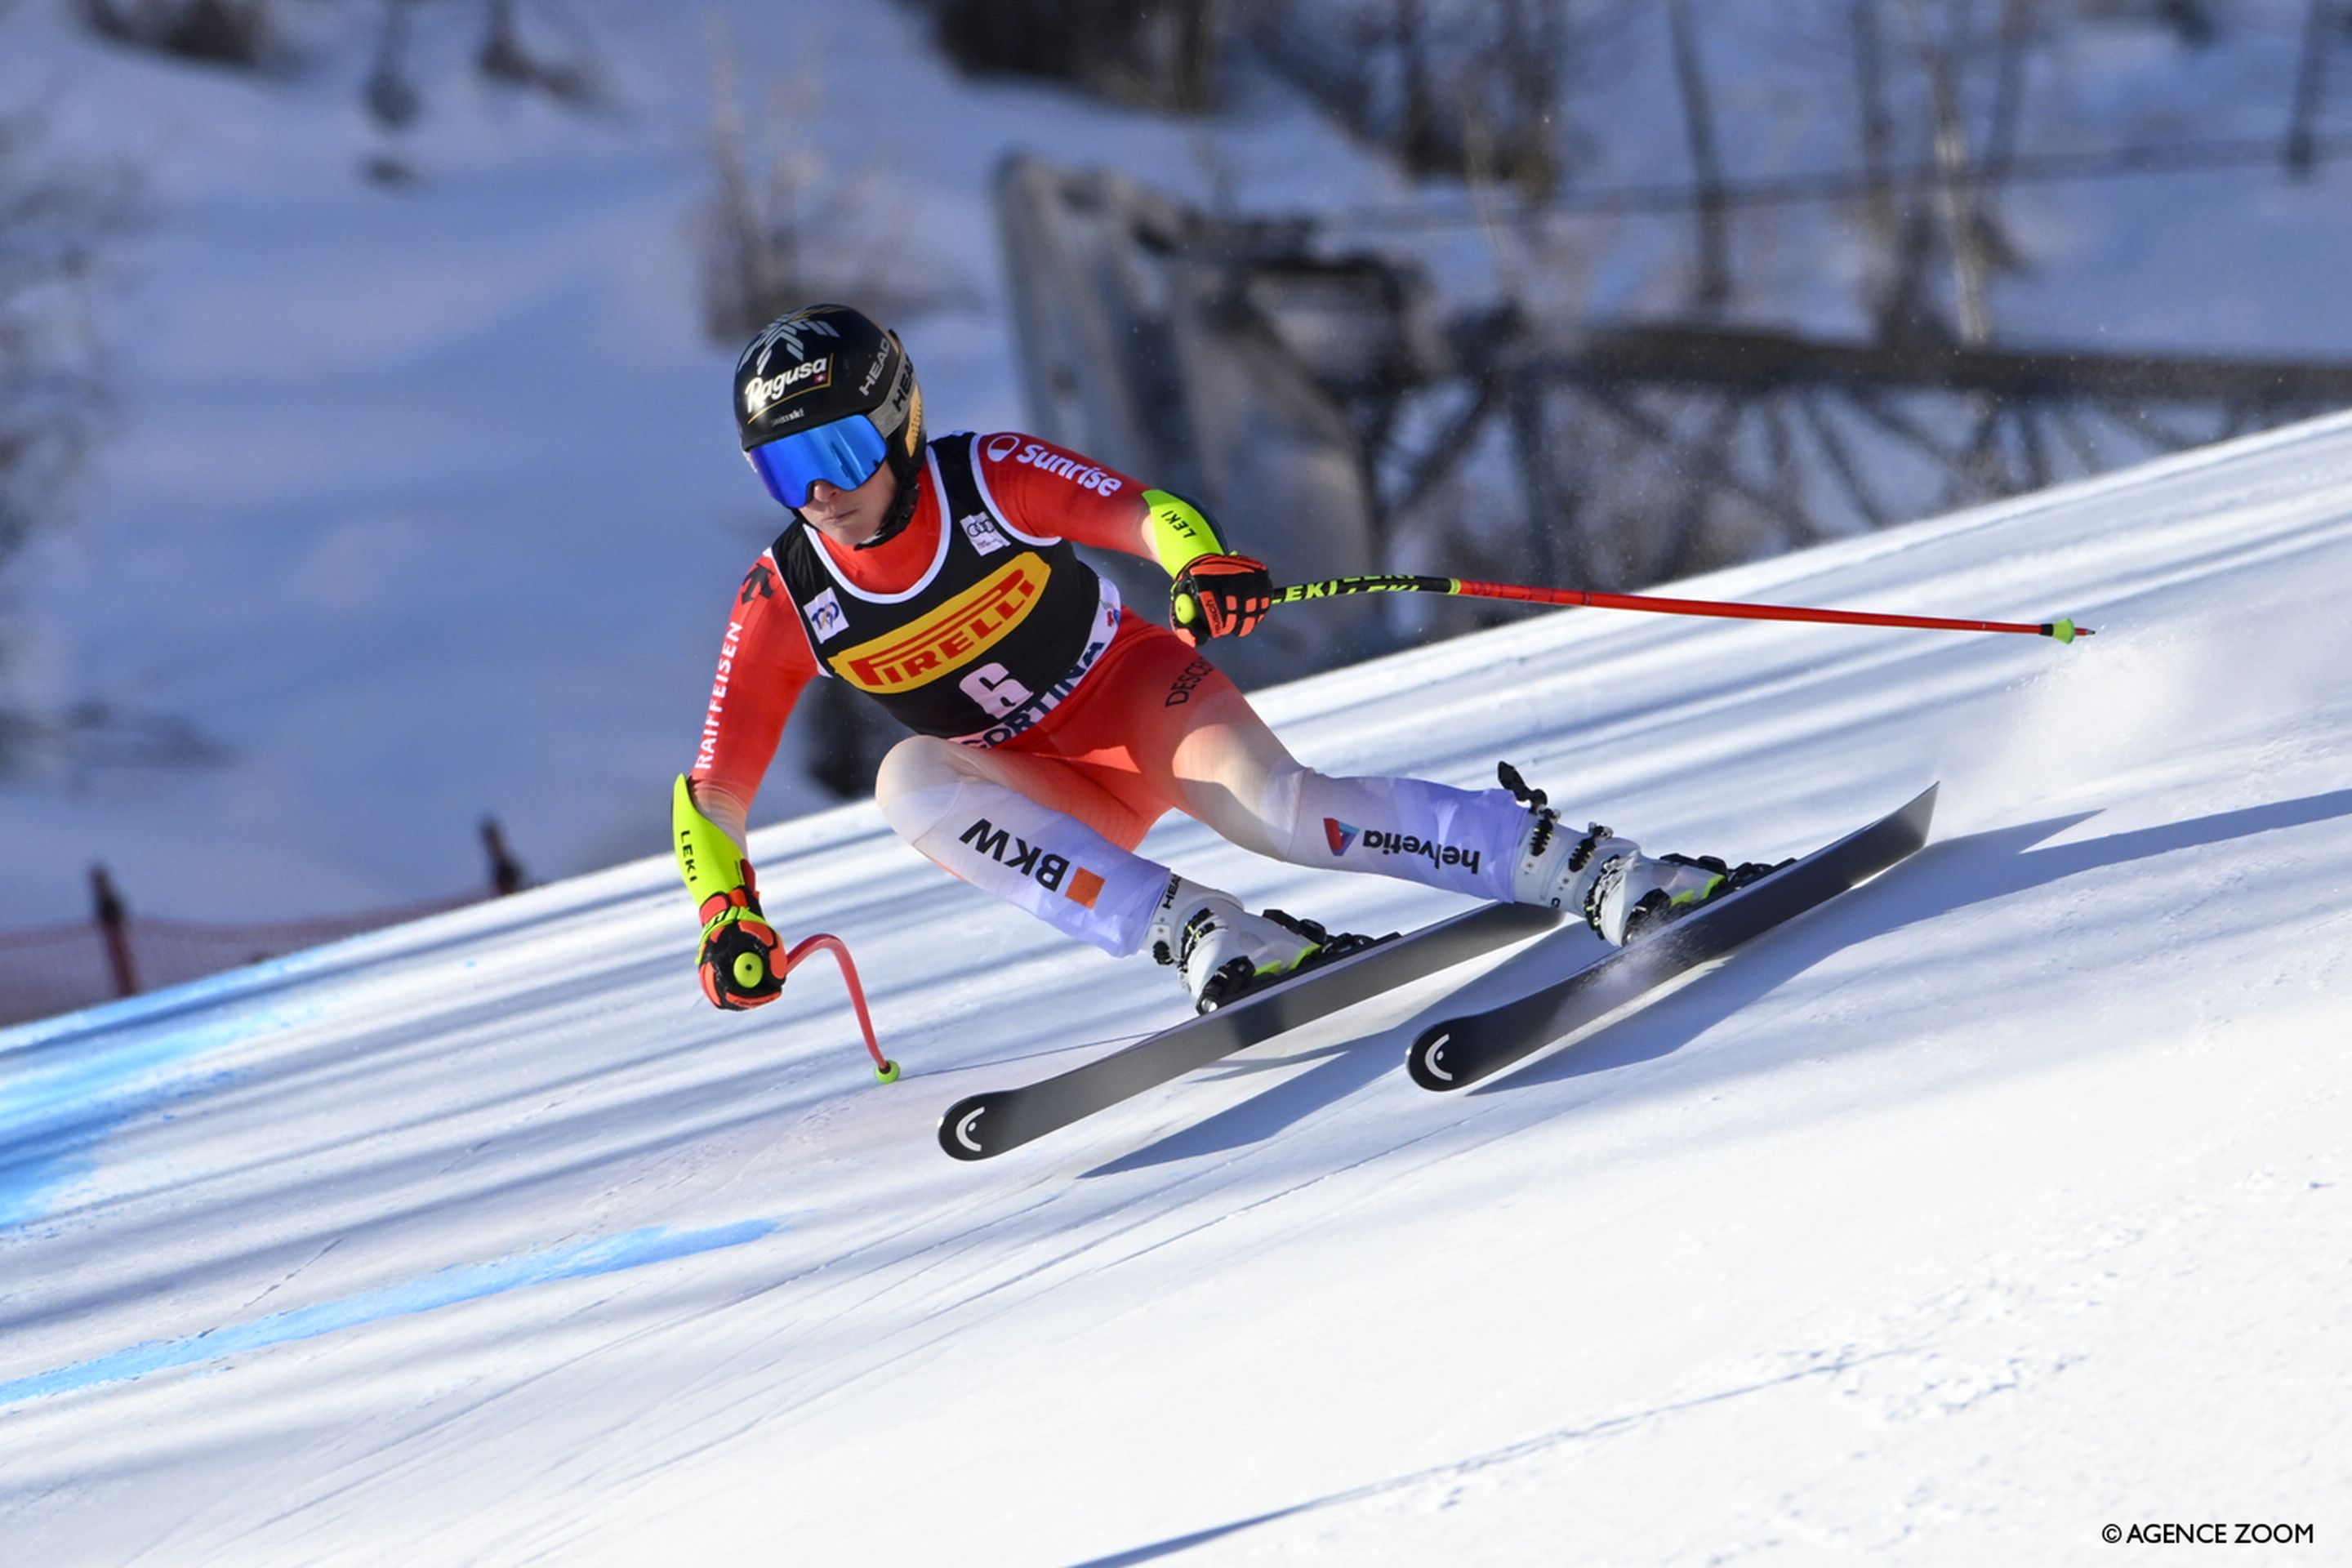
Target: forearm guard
740	960
1180	532
709	860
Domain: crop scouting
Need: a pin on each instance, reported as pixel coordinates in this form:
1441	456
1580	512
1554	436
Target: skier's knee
1278	802
918	762
917	783
1291	809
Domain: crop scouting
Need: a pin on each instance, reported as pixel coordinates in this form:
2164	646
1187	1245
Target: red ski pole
1461	587
883	1068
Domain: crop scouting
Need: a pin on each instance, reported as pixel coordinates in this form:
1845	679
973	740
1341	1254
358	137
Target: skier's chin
845	529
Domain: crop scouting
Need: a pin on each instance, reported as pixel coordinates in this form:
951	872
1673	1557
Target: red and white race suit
1053	726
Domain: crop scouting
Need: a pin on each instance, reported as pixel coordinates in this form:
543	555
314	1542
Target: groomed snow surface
2003	1199
425	501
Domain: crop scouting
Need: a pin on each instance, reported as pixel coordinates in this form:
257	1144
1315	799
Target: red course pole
883	1068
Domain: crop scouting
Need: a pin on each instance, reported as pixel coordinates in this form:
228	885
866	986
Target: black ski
1460	1051
979	1125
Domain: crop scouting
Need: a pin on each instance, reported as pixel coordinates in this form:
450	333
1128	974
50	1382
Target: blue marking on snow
631	1249
130	1012
62	1096
69	1083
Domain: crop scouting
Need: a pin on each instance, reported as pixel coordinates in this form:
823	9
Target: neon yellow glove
740	960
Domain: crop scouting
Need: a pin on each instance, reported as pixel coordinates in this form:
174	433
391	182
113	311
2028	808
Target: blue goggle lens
844	454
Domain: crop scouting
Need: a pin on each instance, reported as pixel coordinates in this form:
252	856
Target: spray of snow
2175	697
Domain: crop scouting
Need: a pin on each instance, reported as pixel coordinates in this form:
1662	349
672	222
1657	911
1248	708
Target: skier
1053	725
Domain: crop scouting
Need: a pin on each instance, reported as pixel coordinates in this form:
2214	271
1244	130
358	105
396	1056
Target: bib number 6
992	686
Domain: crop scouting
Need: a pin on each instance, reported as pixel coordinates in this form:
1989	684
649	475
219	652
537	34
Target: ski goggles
844	454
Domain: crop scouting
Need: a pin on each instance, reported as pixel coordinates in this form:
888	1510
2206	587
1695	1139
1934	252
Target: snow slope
445	473
2001	1200
424	502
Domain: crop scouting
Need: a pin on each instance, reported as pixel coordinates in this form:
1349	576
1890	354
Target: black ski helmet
813	367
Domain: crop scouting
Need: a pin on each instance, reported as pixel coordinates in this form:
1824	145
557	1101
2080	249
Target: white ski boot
1559	867
1223	951
1635	892
1617	889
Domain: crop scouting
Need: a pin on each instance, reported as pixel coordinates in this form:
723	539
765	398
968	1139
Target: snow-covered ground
425	500
2002	1200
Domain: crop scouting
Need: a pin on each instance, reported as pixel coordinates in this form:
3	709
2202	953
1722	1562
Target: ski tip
961	1129
1425	1062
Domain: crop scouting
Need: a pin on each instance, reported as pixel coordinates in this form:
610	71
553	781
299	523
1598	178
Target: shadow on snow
1942	878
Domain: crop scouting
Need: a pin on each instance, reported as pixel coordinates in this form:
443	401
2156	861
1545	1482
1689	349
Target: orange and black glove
1218	596
1214	593
740	960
